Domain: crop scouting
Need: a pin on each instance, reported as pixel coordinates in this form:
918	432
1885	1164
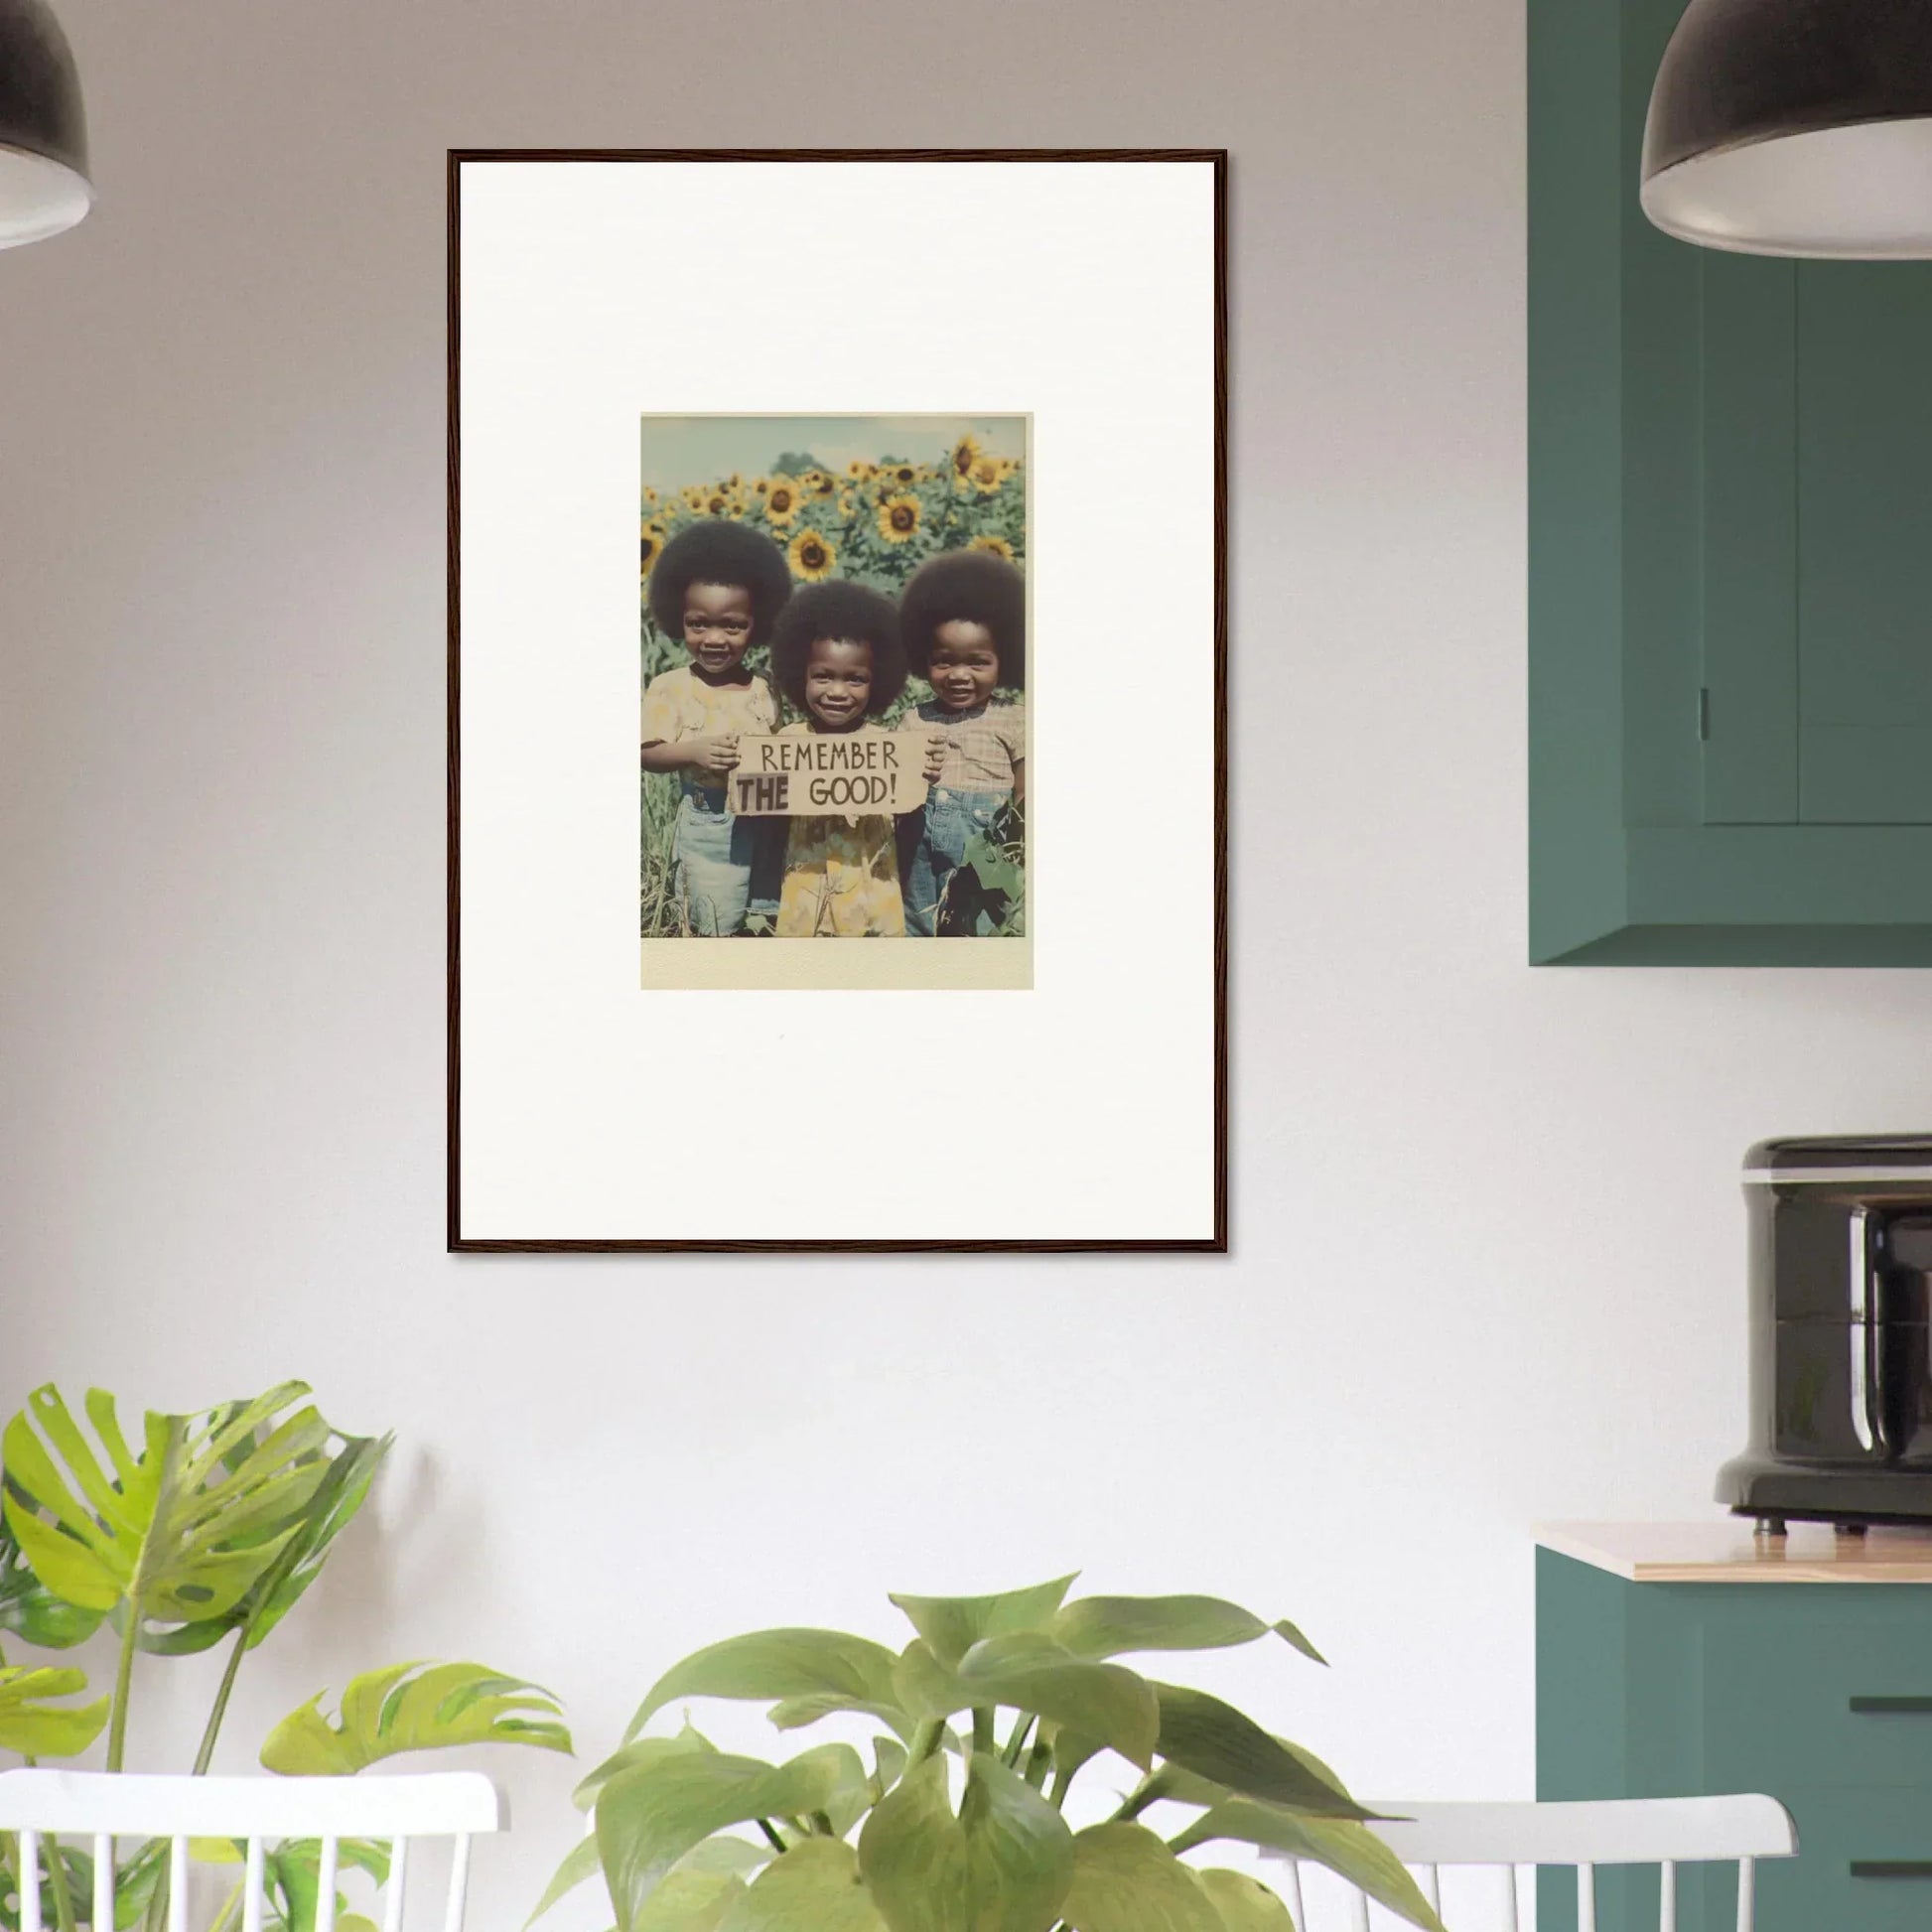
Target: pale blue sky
680	449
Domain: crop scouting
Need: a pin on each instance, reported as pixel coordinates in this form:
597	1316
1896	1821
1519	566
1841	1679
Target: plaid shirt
985	747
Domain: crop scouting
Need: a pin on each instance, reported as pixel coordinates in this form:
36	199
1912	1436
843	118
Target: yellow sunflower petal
811	556
899	519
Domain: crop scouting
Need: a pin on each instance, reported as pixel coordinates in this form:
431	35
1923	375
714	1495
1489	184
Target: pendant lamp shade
44	185
1795	127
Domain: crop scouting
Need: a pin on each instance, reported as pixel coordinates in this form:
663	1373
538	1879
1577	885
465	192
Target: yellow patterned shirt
841	877
680	705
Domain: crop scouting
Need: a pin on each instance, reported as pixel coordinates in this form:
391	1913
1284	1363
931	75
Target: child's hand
715	755
935	755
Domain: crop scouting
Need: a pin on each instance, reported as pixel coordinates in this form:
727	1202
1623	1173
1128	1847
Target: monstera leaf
341	1491
33	1720
414	1708
31	1612
176	1534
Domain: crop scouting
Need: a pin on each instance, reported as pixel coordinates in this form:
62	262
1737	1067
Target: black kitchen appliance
1840	1372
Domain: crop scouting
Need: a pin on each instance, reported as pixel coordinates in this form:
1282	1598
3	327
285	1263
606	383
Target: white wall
1489	1243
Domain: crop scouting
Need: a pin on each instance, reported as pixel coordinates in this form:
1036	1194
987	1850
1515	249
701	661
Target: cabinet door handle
1922	1706
1892	1867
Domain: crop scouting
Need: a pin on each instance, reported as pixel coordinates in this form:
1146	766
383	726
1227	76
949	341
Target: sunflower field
872	522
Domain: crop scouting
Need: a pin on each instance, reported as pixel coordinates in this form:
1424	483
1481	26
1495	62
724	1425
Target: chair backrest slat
459	1884
98	1809
326	1886
178	1884
398	1885
30	1881
252	1897
1664	1832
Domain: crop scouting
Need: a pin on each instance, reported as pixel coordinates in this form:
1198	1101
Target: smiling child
836	654
718	587
964	620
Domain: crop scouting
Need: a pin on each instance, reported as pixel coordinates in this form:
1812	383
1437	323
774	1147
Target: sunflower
816	483
899	519
994	546
693	497
720	502
782	499
844	502
859	470
905	474
650	496
965	453
811	556
988	473
762	486
651	547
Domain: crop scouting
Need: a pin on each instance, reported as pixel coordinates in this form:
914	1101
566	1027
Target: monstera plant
954	1819
207	1529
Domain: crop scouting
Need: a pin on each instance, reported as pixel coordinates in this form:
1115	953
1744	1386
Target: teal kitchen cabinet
1783	1667
1730	562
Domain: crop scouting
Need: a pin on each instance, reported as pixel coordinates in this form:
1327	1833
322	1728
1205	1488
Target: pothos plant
1020	1692
208	1529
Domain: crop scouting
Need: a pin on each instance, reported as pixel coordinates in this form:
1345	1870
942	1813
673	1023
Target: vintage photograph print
834	667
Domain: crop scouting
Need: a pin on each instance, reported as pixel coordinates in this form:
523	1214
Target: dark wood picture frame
1217	1242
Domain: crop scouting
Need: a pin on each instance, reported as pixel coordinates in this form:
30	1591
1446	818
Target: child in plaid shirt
964	617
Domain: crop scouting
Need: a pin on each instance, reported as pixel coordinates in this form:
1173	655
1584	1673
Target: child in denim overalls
717	587
964	617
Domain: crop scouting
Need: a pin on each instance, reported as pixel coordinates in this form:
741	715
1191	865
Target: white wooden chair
262	1810
1664	1832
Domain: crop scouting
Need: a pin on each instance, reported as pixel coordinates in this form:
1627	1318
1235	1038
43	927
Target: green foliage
33	1719
892	1850
958	497
413	1708
207	1527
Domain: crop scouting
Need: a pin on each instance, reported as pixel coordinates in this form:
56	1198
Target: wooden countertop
1724	1550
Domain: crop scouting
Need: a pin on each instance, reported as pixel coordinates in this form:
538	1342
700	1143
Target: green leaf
580	1865
414	1708
1245	1904
181	1532
687	1901
36	1727
1346	1848
792	1714
31	1612
1109	1626
1126	1880
1032	1673
344	1488
1202	1735
776	1664
644	1751
1003	1864
952	1625
650	1814
815	1887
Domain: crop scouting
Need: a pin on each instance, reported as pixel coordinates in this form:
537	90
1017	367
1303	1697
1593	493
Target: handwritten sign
828	774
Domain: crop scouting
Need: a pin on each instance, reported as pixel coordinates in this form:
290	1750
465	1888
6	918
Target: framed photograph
900	923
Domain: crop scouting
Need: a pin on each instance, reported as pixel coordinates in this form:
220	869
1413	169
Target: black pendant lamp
44	185
1795	127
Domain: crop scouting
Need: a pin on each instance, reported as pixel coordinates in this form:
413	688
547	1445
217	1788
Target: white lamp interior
38	197
1861	192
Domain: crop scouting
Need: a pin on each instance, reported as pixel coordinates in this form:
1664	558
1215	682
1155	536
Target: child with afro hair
837	656
717	588
964	618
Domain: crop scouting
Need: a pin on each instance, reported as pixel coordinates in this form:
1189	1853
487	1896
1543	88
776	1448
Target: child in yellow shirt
717	588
